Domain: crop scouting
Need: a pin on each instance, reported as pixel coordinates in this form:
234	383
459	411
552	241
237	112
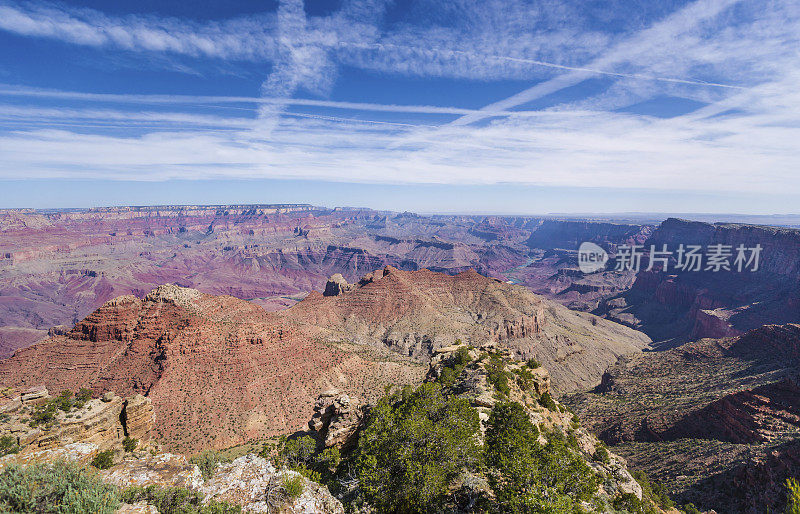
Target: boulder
164	469
336	419
253	483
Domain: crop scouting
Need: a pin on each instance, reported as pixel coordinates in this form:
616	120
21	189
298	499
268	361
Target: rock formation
100	424
219	371
249	481
336	419
415	313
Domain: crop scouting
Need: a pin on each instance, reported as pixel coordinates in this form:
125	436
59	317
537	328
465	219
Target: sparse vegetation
43	414
497	375
654	490
177	500
533	363
104	459
792	496
82	396
207	461
547	402
454	367
629	502
294	485
59	488
64	401
601	454
8	445
129	444
524	379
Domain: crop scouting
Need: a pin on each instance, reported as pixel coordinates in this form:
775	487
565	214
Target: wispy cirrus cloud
233	39
735	58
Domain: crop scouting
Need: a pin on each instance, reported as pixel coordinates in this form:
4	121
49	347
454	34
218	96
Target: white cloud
737	56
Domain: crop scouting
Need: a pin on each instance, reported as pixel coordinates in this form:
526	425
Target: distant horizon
448	199
632	217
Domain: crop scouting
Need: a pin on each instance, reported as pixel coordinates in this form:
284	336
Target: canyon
56	267
707	417
689	375
190	353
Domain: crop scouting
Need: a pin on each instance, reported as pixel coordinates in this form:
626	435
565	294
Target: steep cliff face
569	234
675	306
414	313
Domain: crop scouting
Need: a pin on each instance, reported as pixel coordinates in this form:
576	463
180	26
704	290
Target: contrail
688	16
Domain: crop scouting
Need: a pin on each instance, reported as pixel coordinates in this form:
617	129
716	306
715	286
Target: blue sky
458	106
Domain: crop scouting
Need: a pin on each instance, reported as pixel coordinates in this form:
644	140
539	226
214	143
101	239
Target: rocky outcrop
162	469
530	387
336	285
336	419
79	433
248	481
253	483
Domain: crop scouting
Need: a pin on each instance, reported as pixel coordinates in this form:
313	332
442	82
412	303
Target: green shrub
82	396
59	487
43	414
547	402
412	448
329	459
296	452
792	496
601	454
454	367
653	490
629	502
533	363
104	459
524	379
497	376
294	485
129	444
64	401
177	500
8	445
207	461
529	477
